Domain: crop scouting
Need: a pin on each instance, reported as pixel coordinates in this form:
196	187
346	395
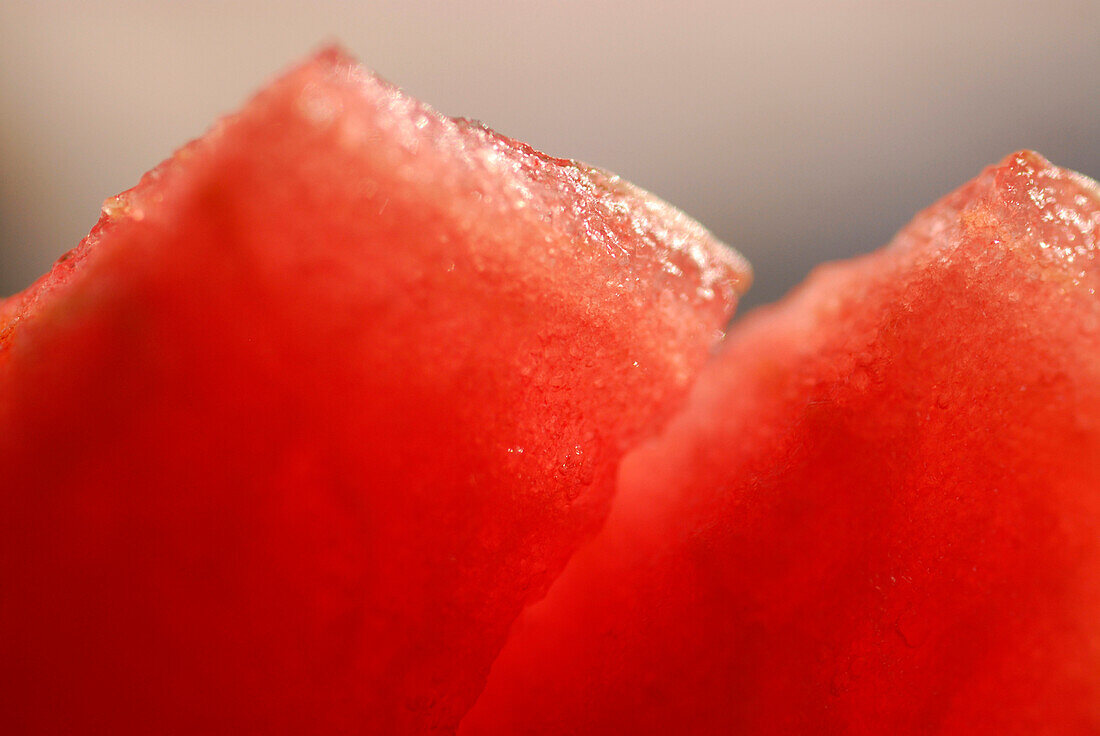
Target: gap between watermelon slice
316	408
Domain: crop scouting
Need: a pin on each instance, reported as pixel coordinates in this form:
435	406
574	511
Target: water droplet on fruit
120	206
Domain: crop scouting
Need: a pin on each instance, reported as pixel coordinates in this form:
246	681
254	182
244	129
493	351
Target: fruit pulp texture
315	409
879	513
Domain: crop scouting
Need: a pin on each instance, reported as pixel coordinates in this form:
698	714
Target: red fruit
293	435
879	514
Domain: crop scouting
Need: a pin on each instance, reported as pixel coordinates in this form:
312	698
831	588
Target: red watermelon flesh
879	513
291	437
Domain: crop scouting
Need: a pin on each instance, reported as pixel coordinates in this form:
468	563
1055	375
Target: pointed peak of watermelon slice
1024	207
606	216
1059	210
631	243
334	54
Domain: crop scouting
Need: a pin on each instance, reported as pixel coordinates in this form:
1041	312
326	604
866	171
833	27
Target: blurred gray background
797	131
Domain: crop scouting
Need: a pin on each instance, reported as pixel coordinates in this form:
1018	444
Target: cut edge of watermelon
1017	187
1012	199
678	254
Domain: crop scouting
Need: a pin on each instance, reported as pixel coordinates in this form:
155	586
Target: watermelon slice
291	437
880	512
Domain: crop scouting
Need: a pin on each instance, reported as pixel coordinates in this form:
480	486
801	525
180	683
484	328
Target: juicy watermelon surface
879	513
330	398
292	436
